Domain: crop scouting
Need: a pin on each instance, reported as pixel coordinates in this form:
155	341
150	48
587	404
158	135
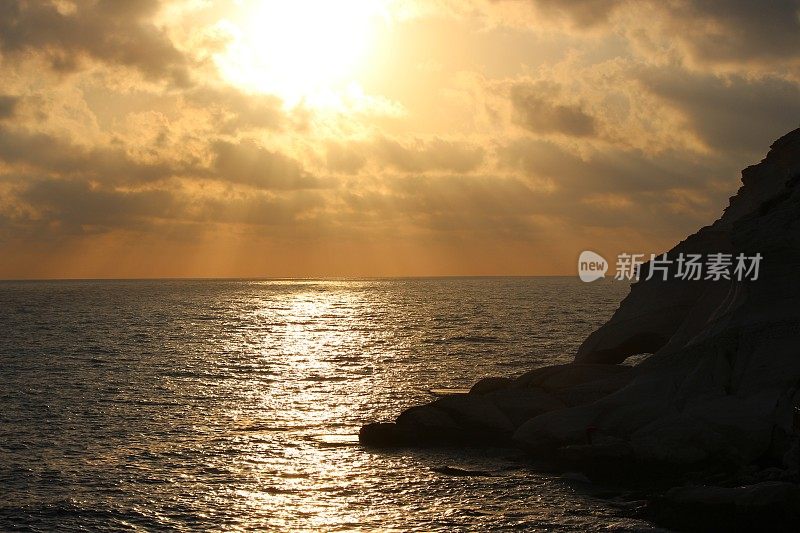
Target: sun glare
302	50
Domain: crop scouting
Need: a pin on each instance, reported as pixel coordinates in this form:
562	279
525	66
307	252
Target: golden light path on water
233	405
323	341
301	343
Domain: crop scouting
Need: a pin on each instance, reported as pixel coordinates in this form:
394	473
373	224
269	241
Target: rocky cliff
658	312
725	372
720	387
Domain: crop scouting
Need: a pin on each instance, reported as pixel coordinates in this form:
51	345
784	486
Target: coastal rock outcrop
496	407
725	374
765	506
658	312
723	379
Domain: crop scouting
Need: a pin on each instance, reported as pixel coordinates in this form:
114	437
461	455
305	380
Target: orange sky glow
241	138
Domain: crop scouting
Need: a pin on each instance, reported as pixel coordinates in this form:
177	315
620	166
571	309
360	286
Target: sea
234	405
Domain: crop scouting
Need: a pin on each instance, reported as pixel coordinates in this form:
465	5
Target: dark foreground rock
725	380
495	408
660	313
718	394
767	506
462	472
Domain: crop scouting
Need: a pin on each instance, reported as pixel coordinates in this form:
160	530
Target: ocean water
234	405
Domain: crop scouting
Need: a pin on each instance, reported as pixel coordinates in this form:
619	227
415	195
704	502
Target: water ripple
233	405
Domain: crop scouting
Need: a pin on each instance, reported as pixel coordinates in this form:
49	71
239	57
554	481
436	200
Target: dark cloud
661	194
434	154
348	159
477	204
485	195
536	110
67	206
585	13
260	209
511	208
49	208
235	110
8	106
612	170
730	113
244	162
581	13
111	31
429	155
109	164
249	163
738	30
713	31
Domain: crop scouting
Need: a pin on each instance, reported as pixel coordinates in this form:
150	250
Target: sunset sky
148	138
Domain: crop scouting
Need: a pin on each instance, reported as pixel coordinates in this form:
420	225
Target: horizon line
293	278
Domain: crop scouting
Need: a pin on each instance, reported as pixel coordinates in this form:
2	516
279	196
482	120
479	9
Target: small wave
207	317
470	339
262	428
334	440
319	378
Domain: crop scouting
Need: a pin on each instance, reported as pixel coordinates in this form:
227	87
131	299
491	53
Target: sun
306	51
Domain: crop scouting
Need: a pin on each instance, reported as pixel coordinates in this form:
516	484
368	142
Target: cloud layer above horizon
477	137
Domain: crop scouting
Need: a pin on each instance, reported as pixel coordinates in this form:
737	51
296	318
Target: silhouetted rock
724	380
491	384
716	397
520	405
426	416
462	472
602	448
678	438
560	377
658	312
764	494
767	506
475	412
381	435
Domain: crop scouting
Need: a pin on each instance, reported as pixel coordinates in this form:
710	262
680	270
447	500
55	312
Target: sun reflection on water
233	405
312	337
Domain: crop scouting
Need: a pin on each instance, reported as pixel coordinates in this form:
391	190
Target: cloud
733	33
433	154
345	158
234	110
590	121
729	113
259	209
110	164
582	13
242	162
459	206
249	163
736	31
113	32
53	208
605	170
8	106
535	110
409	155
76	207
517	209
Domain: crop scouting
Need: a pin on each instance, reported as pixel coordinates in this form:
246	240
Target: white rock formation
725	372
724	376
